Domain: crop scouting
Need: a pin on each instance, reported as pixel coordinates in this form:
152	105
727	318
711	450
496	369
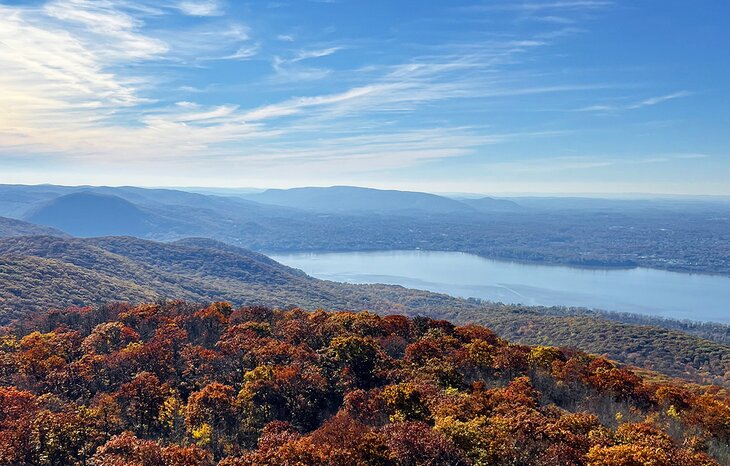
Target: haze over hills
623	204
39	272
87	214
13	227
160	214
490	204
350	199
595	232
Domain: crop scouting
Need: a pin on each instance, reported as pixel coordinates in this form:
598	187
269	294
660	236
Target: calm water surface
646	291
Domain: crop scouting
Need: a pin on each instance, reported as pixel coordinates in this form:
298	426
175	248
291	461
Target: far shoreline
571	265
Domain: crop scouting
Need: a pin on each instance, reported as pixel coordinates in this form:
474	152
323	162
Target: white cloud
659	99
71	104
71	78
291	70
648	102
537	6
65	64
201	8
70	87
244	53
318	53
288	71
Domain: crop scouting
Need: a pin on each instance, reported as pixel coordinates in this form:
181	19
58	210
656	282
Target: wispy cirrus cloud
59	57
78	82
244	53
316	53
647	102
554	164
287	71
532	6
290	69
651	101
69	81
92	38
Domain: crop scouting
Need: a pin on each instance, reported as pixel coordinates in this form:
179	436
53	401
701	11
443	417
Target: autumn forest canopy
179	384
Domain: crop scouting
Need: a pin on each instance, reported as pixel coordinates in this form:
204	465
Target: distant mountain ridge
350	199
87	214
667	235
19	201
158	214
490	204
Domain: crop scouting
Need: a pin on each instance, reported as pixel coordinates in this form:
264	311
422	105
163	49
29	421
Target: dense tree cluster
670	351
179	385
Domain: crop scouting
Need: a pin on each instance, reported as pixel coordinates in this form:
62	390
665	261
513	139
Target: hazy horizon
242	190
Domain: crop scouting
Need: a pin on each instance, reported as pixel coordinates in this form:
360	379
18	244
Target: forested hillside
178	385
40	273
665	350
37	273
12	227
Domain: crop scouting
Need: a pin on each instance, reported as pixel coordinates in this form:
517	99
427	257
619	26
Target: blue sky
543	96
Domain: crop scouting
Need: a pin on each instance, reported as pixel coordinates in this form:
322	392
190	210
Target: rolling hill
665	350
88	214
41	272
490	204
13	227
350	199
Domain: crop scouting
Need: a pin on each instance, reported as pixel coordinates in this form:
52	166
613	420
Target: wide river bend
639	290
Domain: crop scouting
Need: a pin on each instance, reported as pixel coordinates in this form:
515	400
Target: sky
491	96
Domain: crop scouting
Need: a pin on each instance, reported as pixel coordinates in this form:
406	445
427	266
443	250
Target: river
639	290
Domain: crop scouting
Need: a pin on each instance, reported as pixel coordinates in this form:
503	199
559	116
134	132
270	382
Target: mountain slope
89	214
668	351
12	227
17	200
350	199
196	270
34	283
490	204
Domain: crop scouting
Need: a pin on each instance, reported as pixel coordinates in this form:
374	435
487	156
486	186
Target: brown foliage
173	385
